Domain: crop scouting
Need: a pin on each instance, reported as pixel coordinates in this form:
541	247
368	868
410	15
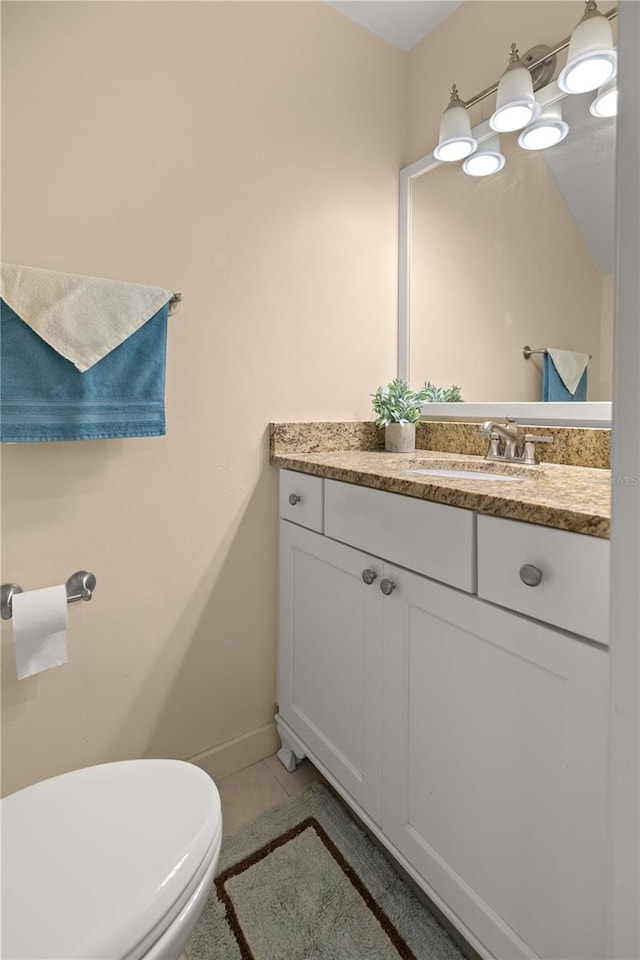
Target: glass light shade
606	103
591	58
512	117
516	105
486	160
455	141
546	131
455	150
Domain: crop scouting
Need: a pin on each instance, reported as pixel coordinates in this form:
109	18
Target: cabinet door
495	768
330	658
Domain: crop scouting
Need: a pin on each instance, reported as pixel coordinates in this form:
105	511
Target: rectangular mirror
522	258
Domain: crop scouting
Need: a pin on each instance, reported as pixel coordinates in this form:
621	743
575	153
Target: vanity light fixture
516	105
546	131
455	141
606	103
486	160
591	64
591	59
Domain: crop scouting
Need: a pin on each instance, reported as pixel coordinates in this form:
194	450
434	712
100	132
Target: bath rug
304	882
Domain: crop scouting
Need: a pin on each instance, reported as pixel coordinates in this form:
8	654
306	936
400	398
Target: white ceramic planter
400	437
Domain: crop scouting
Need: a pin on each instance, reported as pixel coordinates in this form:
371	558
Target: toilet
114	861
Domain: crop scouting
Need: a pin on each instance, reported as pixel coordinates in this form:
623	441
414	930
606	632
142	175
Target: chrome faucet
508	433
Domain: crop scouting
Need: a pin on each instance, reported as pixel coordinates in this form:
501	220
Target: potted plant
398	407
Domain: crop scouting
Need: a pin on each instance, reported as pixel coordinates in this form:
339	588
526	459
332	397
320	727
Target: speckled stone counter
552	495
572	446
323	435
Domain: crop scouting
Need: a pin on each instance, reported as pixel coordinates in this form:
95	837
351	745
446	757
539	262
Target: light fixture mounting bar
551	52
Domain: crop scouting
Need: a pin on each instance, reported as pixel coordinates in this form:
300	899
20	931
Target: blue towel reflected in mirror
553	386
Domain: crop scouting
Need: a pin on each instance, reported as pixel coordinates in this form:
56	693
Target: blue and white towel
82	358
564	376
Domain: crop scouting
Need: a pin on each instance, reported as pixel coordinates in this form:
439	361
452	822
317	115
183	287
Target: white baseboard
234	755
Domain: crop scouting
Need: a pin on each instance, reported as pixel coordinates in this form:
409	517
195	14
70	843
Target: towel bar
174	303
527	351
79	586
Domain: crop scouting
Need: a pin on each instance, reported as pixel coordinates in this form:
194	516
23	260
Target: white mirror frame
590	413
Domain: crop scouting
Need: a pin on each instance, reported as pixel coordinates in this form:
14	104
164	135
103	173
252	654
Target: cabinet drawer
573	592
307	509
432	539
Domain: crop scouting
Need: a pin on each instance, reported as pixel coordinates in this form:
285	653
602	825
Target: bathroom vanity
446	668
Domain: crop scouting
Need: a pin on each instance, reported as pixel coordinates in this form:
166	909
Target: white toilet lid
95	860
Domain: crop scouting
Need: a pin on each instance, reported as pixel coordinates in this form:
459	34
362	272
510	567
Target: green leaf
397	403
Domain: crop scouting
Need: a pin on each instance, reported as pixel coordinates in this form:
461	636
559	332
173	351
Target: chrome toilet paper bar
79	586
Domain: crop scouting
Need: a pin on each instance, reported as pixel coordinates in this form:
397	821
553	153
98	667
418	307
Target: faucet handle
493	453
530	439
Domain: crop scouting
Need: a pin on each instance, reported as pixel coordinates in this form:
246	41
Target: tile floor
249	792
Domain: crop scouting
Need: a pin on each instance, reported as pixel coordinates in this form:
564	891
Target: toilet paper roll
40	629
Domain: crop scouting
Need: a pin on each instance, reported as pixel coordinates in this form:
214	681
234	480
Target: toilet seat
99	862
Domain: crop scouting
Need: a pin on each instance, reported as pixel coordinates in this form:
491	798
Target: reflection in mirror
523	257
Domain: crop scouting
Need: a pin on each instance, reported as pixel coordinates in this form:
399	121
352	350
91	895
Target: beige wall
246	155
471	331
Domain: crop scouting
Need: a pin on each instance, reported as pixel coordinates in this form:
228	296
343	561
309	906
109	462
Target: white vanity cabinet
330	658
300	499
472	738
429	538
494	760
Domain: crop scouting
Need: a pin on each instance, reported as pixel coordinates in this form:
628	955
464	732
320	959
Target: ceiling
400	22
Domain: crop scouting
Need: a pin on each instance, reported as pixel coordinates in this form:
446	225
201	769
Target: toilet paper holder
79	586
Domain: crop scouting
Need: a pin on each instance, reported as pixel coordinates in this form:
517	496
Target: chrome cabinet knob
294	498
387	587
369	576
531	576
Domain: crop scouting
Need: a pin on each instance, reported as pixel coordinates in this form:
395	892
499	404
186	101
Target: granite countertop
555	495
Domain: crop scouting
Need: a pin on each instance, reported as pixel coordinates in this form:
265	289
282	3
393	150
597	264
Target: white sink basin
459	468
462	474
